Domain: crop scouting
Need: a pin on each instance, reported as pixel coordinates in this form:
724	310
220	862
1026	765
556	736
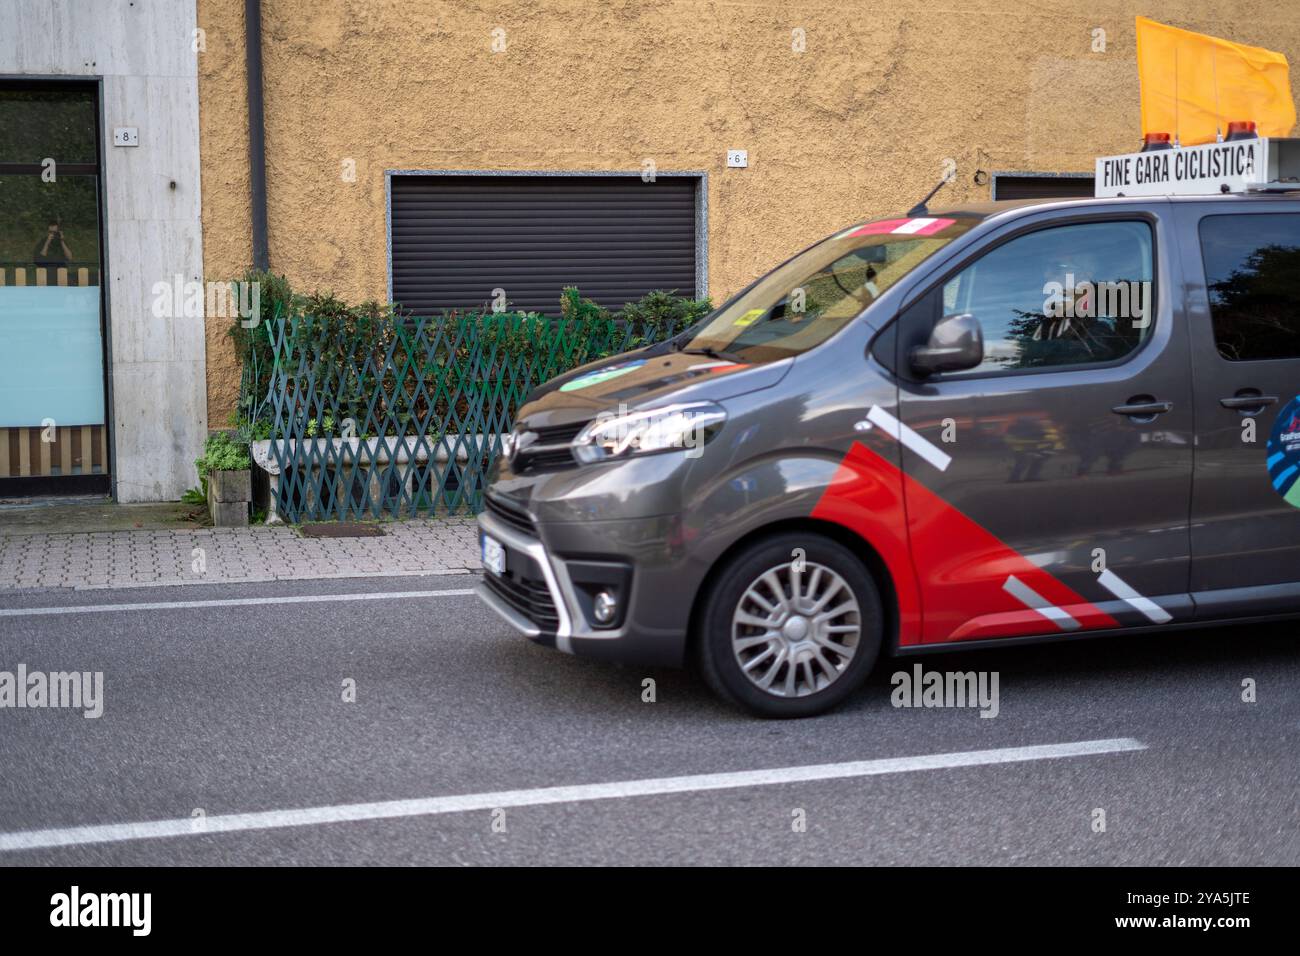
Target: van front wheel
790	627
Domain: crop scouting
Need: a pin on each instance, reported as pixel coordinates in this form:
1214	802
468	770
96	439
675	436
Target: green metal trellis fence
402	416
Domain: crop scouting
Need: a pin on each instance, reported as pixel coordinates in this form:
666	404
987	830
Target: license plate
494	555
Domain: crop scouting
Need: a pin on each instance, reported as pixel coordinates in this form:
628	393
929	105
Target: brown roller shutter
456	238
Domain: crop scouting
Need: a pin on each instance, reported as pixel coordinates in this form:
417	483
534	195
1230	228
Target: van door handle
1147	409
1249	403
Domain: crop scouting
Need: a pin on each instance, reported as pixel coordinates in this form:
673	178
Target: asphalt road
236	710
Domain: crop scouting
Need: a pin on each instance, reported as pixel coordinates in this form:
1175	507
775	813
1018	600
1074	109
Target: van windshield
805	301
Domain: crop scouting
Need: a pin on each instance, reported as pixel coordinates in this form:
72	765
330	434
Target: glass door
53	434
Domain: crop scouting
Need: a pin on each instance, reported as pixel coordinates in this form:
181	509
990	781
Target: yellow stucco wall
857	125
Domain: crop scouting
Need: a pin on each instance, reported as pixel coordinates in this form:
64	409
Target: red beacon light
1153	141
1241	129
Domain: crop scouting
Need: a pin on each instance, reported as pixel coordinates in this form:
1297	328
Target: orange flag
1193	85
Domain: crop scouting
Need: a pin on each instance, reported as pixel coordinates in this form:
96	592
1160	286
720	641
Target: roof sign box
1236	166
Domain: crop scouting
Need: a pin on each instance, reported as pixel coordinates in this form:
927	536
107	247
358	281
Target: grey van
994	423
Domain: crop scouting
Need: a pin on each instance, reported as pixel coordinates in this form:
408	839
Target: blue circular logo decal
1284	453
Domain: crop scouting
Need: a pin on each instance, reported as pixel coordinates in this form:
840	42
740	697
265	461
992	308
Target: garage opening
1043	185
458	238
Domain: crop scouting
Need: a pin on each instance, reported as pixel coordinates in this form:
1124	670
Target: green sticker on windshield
749	318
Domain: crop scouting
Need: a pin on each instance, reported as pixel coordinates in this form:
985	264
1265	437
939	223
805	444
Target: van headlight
613	435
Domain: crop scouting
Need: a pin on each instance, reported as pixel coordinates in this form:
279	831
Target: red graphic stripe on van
956	570
866	496
919	226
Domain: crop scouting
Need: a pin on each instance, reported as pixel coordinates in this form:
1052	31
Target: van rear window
1252	276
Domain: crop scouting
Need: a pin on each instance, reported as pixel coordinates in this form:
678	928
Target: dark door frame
77	484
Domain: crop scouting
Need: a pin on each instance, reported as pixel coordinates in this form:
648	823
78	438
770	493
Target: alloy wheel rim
796	629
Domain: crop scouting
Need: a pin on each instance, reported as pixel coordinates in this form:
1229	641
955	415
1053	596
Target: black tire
718	661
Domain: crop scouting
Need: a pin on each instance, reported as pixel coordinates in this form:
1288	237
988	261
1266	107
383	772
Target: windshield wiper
681	338
712	353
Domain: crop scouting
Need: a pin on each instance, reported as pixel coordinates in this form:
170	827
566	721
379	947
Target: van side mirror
956	344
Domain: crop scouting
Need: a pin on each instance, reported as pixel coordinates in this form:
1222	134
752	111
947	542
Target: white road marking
896	430
1027	596
1116	585
429	806
232	602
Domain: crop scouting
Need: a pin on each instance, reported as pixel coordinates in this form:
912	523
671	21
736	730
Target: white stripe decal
913	225
430	806
232	602
1154	613
896	430
1027	596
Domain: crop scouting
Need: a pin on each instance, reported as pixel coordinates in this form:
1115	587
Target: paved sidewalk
115	559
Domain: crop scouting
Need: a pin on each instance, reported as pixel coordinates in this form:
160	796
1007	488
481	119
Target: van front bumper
554	572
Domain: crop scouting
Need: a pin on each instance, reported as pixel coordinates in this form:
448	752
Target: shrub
574	308
358	355
221	453
658	315
253	345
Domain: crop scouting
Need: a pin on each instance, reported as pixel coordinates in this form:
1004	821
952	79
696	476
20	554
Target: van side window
1252	276
1070	295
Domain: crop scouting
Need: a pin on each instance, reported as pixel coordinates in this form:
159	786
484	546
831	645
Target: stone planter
229	494
368	454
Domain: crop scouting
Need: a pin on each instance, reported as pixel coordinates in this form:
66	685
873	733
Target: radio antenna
920	208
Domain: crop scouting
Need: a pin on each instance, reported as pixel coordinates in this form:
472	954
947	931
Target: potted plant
225	473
